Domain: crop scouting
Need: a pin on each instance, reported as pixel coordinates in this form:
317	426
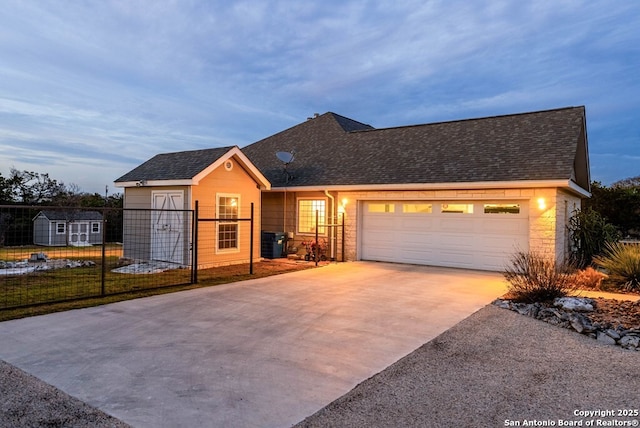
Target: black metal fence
56	254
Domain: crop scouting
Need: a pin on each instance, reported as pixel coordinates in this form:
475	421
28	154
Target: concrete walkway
258	353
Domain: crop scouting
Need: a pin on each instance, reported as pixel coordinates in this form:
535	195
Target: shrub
535	278
588	279
622	262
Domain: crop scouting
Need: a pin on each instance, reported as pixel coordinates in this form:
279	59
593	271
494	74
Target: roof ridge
348	124
227	148
471	119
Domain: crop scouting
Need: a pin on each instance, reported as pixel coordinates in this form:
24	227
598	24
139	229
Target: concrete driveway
259	353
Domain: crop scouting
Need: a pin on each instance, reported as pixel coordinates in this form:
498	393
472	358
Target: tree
590	233
633	182
32	188
618	204
6	194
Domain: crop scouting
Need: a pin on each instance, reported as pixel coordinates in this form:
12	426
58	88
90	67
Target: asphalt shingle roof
76	215
333	150
175	166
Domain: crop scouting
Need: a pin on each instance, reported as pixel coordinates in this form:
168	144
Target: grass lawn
83	283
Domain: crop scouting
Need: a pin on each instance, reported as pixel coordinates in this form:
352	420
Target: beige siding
233	182
273	213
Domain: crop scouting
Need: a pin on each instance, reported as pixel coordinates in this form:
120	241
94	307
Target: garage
464	234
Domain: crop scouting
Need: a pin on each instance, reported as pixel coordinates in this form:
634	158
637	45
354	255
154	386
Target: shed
67	227
161	194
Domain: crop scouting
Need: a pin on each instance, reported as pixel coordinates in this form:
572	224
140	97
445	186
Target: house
466	193
159	193
67	227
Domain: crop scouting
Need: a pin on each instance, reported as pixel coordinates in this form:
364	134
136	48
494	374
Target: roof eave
527	184
251	169
150	183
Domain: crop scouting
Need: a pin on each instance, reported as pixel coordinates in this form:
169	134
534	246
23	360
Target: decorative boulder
579	304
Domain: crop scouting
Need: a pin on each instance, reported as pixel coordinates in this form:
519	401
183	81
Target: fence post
104	254
251	243
194	244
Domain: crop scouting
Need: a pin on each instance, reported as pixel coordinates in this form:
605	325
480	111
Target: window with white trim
61	228
417	208
457	208
95	227
380	207
228	208
502	208
307	215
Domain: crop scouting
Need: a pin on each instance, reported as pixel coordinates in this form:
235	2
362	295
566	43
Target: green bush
589	233
622	262
535	278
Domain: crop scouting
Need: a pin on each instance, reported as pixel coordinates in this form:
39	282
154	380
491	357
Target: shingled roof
175	166
76	215
331	151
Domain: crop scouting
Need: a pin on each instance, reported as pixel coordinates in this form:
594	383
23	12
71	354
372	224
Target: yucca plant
536	278
622	262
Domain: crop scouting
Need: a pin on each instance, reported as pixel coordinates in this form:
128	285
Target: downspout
331	229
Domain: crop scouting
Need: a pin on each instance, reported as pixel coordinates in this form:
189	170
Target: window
417	208
502	208
307	215
381	208
95	227
228	208
61	228
457	208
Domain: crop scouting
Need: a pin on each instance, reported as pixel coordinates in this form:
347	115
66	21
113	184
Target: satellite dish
285	157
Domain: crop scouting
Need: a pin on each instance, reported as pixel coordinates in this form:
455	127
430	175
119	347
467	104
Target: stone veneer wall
547	228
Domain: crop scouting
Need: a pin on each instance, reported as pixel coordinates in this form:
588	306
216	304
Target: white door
466	234
78	234
168	228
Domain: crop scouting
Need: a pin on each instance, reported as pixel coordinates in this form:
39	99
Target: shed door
168	228
78	234
465	234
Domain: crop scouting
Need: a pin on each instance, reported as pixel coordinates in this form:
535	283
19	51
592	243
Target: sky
91	89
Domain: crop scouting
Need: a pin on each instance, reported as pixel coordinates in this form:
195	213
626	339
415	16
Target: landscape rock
580	323
578	314
582	304
629	342
38	257
614	334
604	338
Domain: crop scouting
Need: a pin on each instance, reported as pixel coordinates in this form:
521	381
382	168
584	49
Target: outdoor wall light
542	204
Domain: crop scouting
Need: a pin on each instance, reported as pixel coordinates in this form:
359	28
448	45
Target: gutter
565	184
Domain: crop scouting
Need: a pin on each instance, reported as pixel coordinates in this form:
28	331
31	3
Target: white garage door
474	235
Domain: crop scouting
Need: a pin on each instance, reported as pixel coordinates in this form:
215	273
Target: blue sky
91	89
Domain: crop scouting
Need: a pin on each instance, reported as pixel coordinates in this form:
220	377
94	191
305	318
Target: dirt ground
265	267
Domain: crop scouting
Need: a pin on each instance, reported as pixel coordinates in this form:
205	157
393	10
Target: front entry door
168	228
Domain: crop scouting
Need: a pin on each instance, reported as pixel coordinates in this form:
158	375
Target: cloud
119	81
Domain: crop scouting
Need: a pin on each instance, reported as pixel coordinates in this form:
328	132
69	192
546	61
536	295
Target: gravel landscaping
29	402
496	368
